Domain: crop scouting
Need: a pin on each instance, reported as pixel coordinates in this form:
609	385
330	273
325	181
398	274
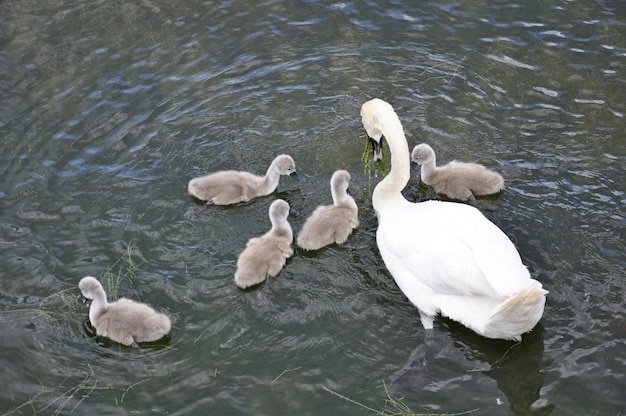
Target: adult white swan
447	257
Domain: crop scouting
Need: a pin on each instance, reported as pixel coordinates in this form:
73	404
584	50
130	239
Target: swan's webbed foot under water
415	374
427	320
192	211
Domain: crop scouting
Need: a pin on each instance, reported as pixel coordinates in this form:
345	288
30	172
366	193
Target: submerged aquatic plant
61	399
373	168
393	406
124	268
63	303
65	397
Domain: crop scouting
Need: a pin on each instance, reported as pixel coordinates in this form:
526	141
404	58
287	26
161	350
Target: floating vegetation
123	269
394	406
64	303
70	397
373	168
66	396
285	372
510	351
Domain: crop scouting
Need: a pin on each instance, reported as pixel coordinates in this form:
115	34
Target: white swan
266	255
330	224
447	257
457	180
124	321
231	186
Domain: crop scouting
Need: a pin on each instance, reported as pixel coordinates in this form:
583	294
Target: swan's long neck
341	197
98	305
270	181
388	191
281	224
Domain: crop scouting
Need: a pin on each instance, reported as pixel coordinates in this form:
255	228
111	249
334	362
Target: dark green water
108	108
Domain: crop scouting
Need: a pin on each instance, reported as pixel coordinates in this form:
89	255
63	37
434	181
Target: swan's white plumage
457	180
330	224
446	257
266	255
230	186
124	321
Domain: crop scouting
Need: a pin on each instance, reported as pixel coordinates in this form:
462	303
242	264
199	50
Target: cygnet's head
340	180
422	154
89	286
279	209
286	166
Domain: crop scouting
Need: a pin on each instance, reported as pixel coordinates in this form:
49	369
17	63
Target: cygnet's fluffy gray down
230	186
457	180
330	224
124	321
266	255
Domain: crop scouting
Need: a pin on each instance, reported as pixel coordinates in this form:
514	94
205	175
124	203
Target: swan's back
457	180
266	255
225	187
129	322
460	248
328	224
231	187
458	263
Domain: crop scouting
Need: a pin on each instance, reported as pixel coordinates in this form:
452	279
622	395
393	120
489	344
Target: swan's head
89	286
372	114
422	154
285	165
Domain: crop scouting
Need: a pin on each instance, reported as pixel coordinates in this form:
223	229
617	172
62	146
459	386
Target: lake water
109	108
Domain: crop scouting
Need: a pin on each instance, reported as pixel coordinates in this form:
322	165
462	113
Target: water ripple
104	125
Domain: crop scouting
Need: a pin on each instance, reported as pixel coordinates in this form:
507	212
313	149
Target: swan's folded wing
494	253
499	259
443	264
454	250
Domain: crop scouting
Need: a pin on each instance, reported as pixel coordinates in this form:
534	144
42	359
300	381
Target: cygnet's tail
517	314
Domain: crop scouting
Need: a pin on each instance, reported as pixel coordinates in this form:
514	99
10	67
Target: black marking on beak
377	149
295	175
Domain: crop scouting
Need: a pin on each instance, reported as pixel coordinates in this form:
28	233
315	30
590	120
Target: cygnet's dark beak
414	165
81	298
295	175
377	149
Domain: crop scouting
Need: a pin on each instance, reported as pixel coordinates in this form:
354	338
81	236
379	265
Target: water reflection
107	109
517	368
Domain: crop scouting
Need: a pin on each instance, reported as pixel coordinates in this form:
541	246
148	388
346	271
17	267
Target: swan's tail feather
517	314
